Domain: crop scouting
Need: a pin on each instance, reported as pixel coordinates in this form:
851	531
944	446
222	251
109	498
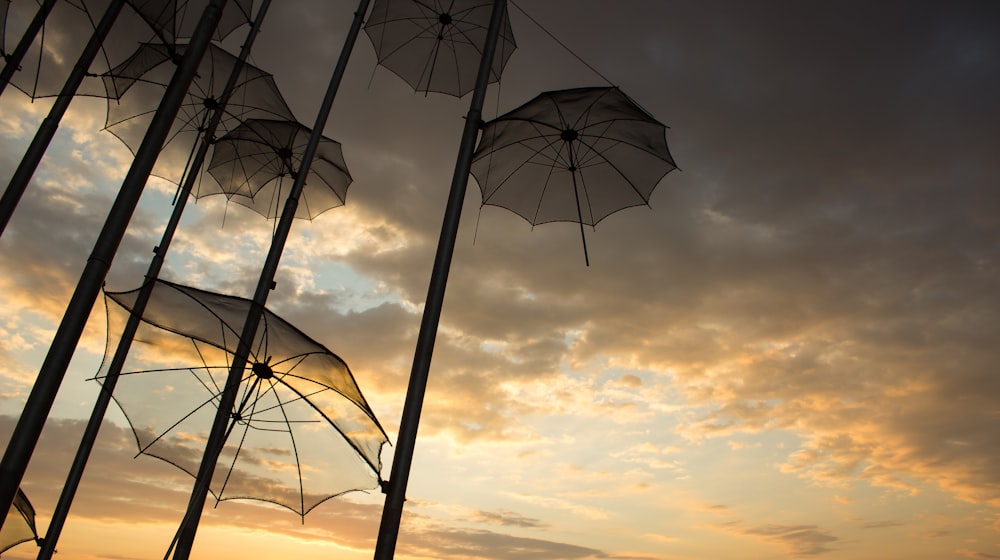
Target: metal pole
142	299
47	130
14	59
217	436
403	456
43	393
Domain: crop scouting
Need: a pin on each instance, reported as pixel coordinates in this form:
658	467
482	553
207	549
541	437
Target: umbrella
61	511
53	52
251	162
575	155
301	431
176	19
42	396
142	79
19	527
436	45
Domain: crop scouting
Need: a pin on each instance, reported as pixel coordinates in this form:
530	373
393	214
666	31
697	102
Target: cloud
976	554
801	540
487	544
509	518
798	540
119	489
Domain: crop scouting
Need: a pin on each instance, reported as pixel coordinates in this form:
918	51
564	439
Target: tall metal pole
396	493
142	299
14	59
47	130
43	393
217	436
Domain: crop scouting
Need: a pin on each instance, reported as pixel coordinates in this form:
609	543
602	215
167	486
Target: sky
790	353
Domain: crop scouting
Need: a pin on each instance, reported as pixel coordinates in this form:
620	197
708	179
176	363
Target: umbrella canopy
52	56
251	163
301	431
176	19
575	155
436	45
19	527
143	78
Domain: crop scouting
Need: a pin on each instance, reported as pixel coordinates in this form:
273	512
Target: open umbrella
301	431
575	155
142	79
19	527
52	54
173	20
436	45
42	396
252	162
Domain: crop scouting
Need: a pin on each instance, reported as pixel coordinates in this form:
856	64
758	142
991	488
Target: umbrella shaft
576	194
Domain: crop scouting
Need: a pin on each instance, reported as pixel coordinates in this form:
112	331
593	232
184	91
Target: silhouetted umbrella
436	45
54	52
575	155
142	79
301	431
252	162
72	22
19	527
176	19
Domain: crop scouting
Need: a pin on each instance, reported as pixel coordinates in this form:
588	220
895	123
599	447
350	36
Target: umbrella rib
225	327
286	373
534	123
420	35
620	173
523	141
295	450
349	441
551	161
586	156
595	154
243	437
142	449
201	357
541	194
625	142
258	399
302	397
141	371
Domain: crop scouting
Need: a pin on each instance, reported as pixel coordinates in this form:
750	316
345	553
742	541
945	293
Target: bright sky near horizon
790	354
